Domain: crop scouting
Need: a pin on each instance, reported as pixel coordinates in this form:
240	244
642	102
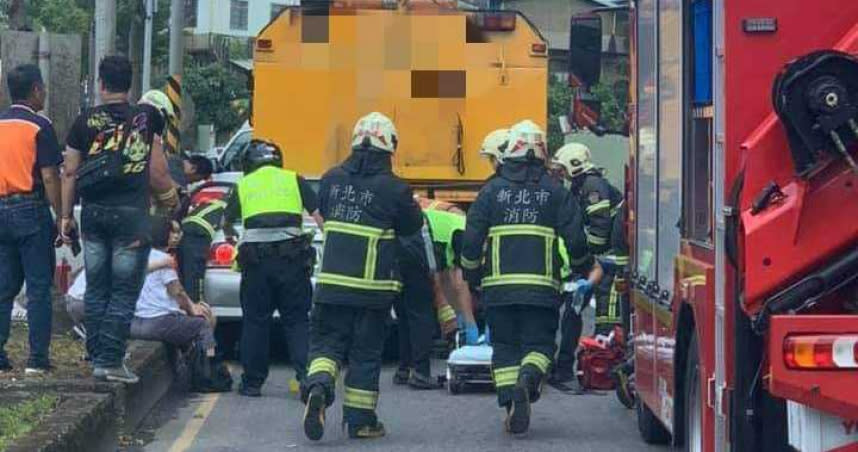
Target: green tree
61	16
218	95
559	98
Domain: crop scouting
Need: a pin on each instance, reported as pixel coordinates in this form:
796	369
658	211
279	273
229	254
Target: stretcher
469	366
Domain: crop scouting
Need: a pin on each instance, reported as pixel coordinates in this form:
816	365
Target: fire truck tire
650	428
693	429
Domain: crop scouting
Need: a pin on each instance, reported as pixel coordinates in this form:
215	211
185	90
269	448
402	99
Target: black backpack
108	168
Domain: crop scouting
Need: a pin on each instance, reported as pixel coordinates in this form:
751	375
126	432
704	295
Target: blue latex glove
584	290
472	334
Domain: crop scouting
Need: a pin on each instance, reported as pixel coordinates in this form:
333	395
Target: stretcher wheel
455	387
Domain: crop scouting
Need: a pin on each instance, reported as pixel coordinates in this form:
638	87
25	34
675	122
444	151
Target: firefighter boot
518	415
367	431
418	380
314	413
401	376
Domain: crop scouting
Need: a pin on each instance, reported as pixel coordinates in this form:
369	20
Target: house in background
236	18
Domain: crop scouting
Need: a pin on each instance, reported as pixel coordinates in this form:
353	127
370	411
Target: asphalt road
416	421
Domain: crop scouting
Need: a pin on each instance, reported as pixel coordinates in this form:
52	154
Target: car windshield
231	159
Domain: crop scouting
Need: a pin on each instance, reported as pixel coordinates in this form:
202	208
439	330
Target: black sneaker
423	382
518	416
314	414
367	431
401	376
119	374
249	391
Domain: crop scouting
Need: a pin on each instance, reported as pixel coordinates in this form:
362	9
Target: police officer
276	259
447	228
601	204
518	216
366	207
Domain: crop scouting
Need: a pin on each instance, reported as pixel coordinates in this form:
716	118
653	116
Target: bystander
29	184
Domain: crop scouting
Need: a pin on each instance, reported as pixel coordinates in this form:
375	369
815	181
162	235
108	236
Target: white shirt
154	300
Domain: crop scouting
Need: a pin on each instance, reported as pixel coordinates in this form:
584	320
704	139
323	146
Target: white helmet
375	131
495	144
574	158
525	138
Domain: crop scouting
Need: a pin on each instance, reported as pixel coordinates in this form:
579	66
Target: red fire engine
743	223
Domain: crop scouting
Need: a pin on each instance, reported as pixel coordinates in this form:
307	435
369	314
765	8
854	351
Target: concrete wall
64	86
552	17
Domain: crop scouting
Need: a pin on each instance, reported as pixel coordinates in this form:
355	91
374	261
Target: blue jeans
116	251
27	254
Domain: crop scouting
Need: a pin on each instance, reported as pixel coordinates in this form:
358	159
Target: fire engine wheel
693	400
649	426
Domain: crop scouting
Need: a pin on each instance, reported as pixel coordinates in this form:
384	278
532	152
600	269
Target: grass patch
20	418
67	354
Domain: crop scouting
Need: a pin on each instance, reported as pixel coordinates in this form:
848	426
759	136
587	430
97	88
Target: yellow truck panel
317	71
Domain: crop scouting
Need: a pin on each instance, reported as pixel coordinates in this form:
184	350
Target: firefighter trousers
608	306
571	325
523	340
353	334
271	283
415	316
192	254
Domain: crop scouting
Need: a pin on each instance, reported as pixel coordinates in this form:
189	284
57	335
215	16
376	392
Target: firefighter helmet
574	158
161	102
495	144
376	132
261	153
525	140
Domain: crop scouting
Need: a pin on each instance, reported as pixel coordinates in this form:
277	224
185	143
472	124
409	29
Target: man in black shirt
115	216
29	179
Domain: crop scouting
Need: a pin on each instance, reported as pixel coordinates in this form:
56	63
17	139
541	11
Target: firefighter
366	208
600	202
518	216
493	147
198	229
276	259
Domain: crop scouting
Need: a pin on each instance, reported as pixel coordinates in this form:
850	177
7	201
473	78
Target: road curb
91	415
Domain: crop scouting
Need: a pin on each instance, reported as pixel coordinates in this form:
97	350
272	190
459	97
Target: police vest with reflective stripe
521	254
269	190
355	263
444	225
207	216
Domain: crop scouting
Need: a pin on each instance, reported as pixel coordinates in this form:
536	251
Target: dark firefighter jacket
519	216
365	207
600	202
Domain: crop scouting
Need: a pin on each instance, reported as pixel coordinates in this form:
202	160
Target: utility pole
151	9
177	44
105	36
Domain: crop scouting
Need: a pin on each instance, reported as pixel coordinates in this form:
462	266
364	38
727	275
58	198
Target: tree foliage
62	16
613	101
559	98
218	95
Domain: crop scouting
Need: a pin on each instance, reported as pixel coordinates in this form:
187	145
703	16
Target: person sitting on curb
164	311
